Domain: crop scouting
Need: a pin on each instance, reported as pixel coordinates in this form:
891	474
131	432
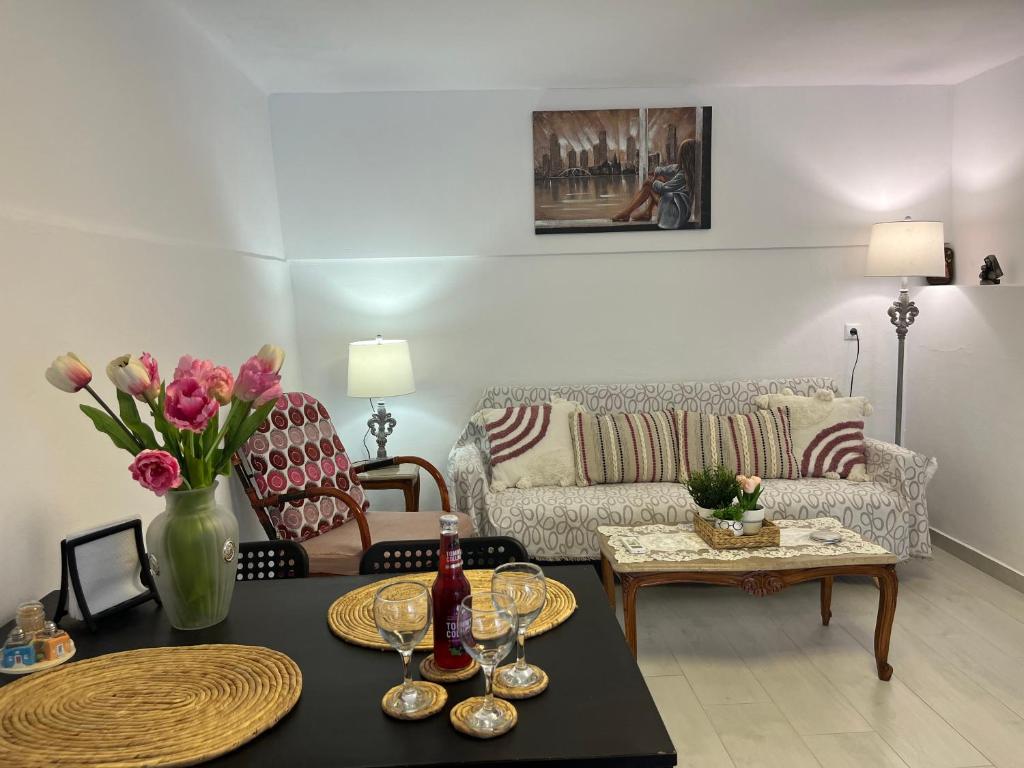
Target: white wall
137	211
966	353
411	214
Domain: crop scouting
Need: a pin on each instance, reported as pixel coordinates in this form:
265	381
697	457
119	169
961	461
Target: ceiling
384	45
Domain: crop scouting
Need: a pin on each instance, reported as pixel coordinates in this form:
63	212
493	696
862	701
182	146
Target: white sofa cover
561	523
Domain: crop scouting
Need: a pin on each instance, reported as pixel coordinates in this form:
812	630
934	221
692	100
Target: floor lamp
905	249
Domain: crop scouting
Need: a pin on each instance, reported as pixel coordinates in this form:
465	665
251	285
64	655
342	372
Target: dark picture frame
70	578
622	170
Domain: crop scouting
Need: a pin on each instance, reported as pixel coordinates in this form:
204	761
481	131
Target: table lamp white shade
906	249
380	368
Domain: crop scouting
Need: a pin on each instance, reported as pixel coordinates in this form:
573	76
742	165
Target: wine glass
487	629
401	611
524	584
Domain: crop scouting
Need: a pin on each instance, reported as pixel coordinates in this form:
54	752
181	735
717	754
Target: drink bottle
450	586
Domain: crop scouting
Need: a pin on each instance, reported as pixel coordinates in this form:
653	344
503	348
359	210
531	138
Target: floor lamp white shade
380	368
905	249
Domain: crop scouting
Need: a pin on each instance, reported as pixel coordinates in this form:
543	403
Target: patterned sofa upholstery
561	523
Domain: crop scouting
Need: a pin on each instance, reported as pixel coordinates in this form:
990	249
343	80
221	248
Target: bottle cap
449	523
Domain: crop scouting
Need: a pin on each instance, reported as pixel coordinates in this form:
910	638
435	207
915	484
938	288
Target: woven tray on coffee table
151	708
718	538
350	617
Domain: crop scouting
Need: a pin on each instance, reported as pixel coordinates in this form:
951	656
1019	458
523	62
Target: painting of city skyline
621	170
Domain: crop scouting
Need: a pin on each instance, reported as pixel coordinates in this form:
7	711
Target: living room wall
138	210
410	214
966	353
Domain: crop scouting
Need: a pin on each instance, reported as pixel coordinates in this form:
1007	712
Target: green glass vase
193	545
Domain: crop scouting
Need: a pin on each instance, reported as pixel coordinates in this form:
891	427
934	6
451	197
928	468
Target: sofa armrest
467	469
907	473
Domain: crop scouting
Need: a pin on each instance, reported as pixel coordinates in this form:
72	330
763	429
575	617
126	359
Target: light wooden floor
744	681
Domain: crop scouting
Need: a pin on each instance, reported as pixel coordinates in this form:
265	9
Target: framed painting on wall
621	170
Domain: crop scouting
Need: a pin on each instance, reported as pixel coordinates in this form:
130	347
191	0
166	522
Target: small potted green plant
712	489
746	516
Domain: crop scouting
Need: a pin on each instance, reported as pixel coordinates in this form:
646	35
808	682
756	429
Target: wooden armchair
302	487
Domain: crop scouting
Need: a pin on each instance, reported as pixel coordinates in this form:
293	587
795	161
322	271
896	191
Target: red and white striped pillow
530	445
828	432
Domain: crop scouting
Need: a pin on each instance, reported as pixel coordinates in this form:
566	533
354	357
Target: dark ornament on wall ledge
990	271
950	270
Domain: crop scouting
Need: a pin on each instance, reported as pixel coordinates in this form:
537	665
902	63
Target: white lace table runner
679	543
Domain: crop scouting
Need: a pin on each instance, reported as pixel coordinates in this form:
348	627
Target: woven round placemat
350	617
440	698
434	673
526	692
151	708
459	717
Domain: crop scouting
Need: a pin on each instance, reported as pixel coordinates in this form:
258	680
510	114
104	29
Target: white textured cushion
530	445
828	432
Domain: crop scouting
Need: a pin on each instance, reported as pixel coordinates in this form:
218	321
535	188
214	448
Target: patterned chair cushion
297	448
561	523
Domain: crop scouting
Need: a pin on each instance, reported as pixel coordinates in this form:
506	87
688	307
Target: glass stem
488	704
406	678
521	649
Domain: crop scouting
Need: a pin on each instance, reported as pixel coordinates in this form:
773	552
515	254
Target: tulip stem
135	438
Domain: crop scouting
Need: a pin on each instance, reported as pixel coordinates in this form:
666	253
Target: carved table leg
826	600
608	579
629	589
888	587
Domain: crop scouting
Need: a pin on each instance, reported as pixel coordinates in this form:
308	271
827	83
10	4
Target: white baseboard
985	563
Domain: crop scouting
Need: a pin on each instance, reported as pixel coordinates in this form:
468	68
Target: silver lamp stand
382	423
902	314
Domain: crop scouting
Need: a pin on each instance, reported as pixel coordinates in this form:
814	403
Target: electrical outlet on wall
852	331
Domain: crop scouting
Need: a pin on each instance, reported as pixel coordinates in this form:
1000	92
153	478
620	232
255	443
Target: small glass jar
31	617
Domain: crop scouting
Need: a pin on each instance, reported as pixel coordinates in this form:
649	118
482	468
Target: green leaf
130	416
243	432
110	428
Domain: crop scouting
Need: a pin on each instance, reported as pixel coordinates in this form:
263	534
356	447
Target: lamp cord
367	432
855	361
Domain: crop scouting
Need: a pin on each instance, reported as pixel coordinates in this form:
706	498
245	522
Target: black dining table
597	710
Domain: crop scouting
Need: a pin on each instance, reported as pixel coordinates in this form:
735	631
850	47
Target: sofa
560	523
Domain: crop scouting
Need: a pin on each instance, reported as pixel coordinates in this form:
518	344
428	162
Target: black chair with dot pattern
421	556
271	560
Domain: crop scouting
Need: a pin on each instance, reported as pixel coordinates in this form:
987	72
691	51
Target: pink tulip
750	484
150	364
258	379
156	471
192	368
129	375
219	384
68	374
269	394
188	405
272	355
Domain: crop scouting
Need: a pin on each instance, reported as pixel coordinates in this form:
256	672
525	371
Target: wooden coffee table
756	575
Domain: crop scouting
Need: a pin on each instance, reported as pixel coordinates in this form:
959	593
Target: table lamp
380	368
905	249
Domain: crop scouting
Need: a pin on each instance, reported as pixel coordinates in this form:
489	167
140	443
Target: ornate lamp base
902	314
381	425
